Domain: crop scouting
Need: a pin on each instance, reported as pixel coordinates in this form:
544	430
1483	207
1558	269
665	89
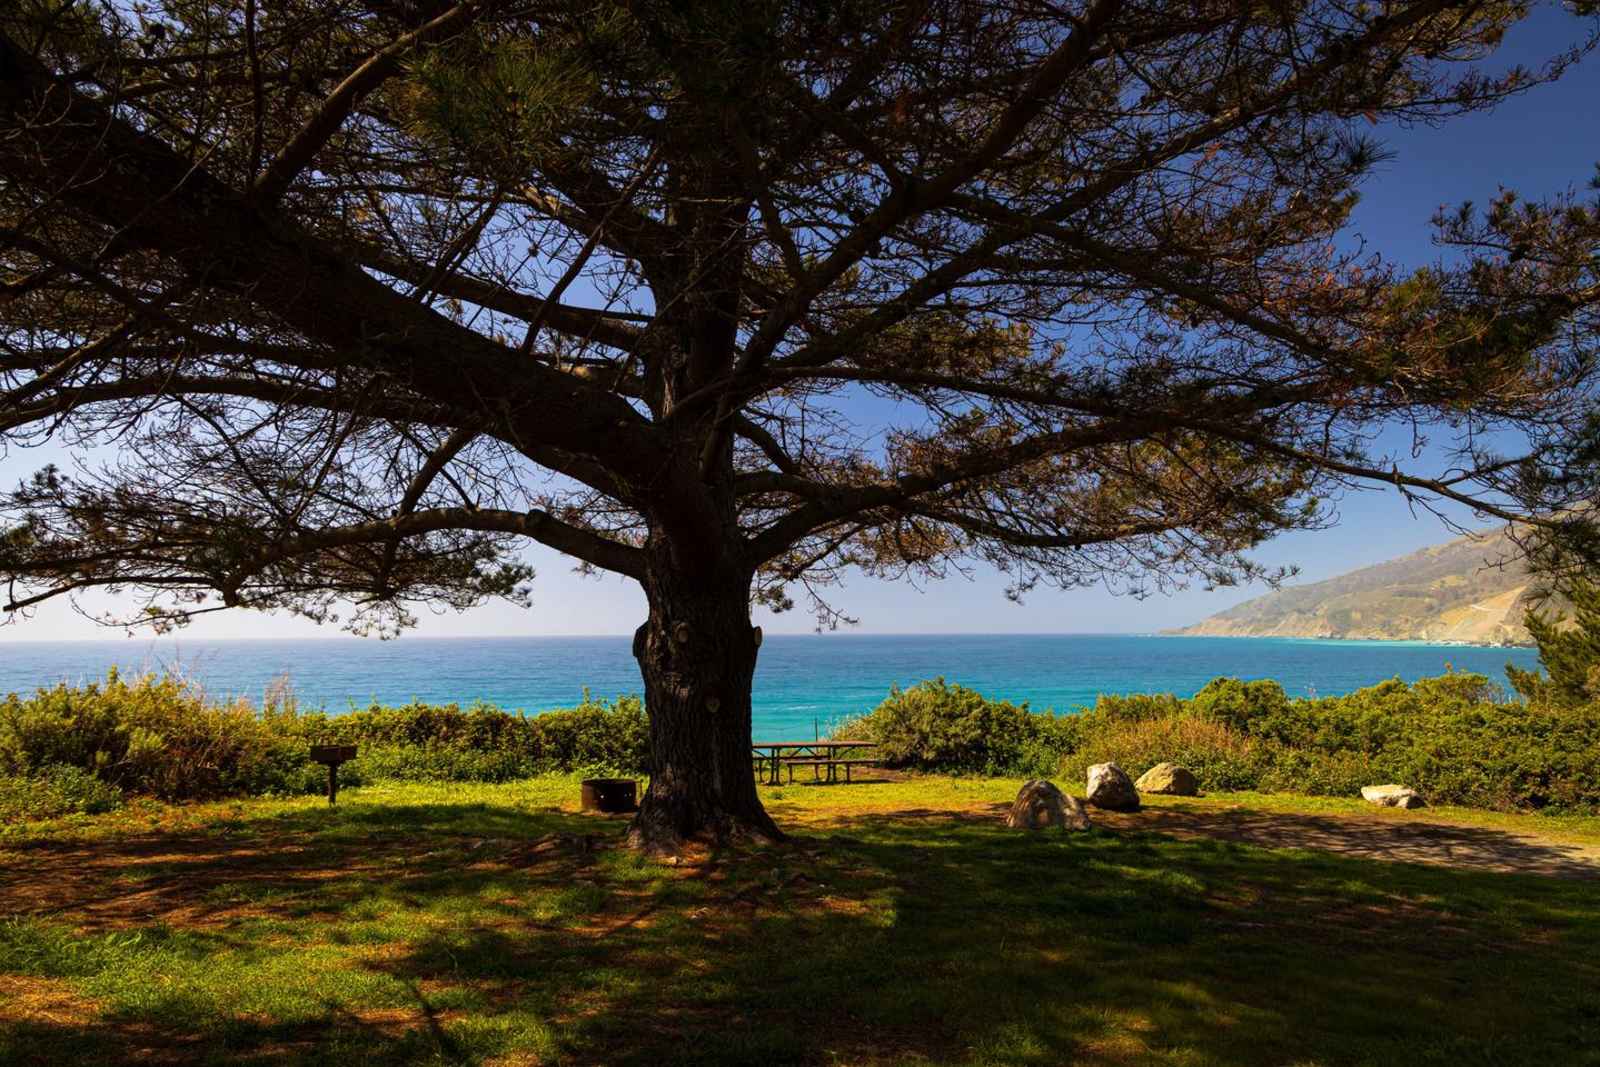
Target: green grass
494	924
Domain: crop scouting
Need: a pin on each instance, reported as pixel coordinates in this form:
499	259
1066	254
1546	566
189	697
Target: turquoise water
803	683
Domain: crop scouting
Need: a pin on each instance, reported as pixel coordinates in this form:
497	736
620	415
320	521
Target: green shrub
483	743
1507	756
1454	738
938	726
1137	707
1330	774
595	736
432	763
159	736
1220	756
154	735
1258	708
56	790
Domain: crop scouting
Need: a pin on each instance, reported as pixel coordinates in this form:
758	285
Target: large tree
346	300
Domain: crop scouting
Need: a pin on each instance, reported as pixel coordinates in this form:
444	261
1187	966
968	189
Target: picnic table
772	756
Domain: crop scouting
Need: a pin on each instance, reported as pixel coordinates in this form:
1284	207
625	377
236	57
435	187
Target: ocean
804	683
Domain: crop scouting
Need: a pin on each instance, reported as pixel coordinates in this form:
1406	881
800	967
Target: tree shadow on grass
1370	837
888	940
318	861
1391	838
346	1041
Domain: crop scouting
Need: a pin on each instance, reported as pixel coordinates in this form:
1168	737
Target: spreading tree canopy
345	300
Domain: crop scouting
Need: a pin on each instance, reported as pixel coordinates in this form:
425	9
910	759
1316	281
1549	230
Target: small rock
1392	796
1168	779
1040	804
1111	788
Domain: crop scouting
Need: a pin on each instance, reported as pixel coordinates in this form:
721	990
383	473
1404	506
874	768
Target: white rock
1392	796
1111	788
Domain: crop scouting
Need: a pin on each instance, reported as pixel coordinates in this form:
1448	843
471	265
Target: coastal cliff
1473	590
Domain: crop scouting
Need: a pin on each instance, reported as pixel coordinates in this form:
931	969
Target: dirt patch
187	881
51	1001
198	881
73	1030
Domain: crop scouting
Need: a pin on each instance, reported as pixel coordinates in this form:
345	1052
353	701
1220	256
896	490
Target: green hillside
1473	589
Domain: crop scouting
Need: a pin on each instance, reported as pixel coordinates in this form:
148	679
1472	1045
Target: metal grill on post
332	756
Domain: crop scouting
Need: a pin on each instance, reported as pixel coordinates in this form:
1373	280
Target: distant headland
1473	591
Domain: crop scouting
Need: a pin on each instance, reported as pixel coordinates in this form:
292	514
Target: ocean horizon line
351	638
968	634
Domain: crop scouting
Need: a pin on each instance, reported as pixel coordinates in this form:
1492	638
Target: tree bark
697	652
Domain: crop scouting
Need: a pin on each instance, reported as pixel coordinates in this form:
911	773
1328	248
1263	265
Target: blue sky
1541	143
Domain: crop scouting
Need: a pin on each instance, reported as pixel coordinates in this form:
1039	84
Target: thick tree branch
158	199
612	329
295	156
538	525
832	503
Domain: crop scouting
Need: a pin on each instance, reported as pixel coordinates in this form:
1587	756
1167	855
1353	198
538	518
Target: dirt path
1373	837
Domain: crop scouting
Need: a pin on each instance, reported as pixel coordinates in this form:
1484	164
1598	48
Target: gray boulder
1168	779
1111	788
1392	796
1040	804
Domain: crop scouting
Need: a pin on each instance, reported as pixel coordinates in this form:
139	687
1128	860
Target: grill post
332	756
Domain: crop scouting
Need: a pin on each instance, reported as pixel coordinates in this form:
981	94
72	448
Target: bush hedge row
71	748
1455	738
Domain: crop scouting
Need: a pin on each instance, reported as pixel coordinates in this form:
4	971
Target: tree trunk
697	652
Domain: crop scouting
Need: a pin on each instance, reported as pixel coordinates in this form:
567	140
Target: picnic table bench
771	757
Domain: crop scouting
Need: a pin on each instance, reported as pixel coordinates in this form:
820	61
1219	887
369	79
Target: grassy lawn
468	924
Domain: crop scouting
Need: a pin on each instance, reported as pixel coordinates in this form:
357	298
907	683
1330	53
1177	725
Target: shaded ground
1365	832
903	925
1408	841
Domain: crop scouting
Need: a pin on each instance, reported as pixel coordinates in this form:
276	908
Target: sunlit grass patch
49	950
